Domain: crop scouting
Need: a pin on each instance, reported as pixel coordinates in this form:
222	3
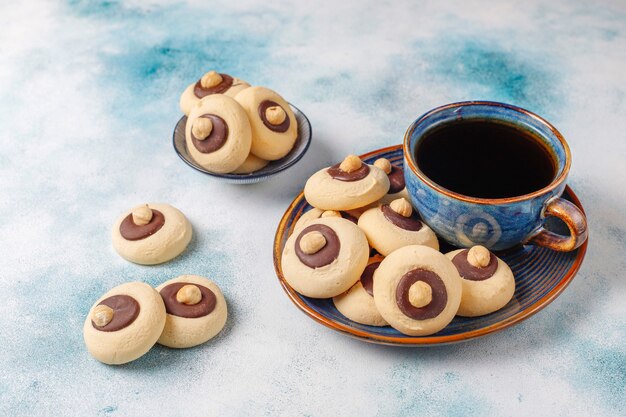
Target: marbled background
88	101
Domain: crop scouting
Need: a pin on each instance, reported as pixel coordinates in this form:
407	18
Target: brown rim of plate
416	341
556	182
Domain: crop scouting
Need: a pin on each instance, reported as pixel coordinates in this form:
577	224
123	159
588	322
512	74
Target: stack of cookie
233	127
364	246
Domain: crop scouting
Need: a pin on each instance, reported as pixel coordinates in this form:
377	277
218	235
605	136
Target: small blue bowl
274	167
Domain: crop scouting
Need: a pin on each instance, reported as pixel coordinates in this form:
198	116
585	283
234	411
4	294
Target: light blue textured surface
88	100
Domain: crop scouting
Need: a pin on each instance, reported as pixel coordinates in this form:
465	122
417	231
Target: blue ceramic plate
540	276
299	149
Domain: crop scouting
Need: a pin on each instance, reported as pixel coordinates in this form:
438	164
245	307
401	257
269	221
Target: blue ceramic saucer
540	276
299	149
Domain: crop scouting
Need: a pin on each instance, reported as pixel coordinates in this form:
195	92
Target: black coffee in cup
485	159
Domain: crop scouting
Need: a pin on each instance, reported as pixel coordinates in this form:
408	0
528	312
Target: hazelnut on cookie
218	134
151	234
196	311
417	290
274	126
351	184
488	282
210	83
124	323
325	258
397	187
392	226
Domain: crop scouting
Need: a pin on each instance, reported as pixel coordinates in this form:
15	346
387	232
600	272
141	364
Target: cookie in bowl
210	83
124	323
391	226
357	304
417	290
488	282
218	134
352	184
274	125
196	311
325	258
151	234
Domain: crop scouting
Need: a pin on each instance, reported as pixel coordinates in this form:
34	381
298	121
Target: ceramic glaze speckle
88	102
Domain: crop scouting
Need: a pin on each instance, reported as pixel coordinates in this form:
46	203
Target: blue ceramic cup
496	223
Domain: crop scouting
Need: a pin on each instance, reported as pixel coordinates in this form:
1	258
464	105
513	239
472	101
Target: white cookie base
133	341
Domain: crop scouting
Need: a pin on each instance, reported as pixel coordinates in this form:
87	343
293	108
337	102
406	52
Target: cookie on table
218	134
252	164
391	226
151	234
488	282
325	258
124	323
417	290
196	311
211	83
274	126
349	185
357	303
397	186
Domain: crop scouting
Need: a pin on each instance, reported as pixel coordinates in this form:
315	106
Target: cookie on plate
488	282
391	226
218	134
316	213
325	258
357	303
349	185
196	311
417	290
397	187
124	323
274	126
151	234
211	83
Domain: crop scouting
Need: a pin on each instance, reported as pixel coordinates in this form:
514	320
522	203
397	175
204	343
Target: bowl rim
246	178
412	165
418	341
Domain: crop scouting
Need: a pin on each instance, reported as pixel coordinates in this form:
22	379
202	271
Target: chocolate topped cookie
211	83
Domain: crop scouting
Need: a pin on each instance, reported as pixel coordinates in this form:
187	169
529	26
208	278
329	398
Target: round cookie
151	234
346	186
210	83
124	323
218	134
274	126
251	164
397	187
392	226
357	303
196	311
325	258
417	290
488	282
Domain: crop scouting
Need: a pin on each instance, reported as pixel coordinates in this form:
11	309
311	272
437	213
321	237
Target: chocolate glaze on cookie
216	139
439	294
367	277
396	180
200	92
125	311
131	231
191	311
349	216
472	273
276	128
411	223
341	175
324	256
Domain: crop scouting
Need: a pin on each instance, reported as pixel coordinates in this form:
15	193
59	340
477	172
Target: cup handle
573	218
